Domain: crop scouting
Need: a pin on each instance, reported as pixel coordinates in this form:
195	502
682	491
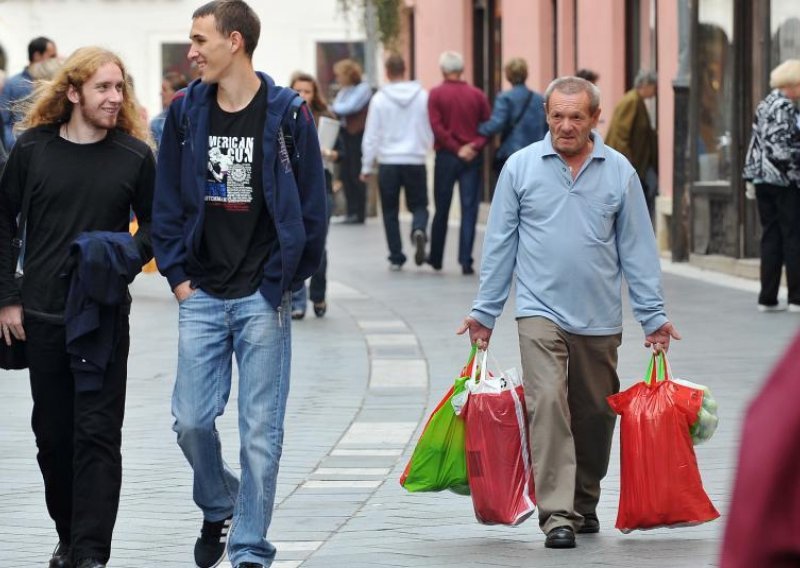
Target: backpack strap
287	129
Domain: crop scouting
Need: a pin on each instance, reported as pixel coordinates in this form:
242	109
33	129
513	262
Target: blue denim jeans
211	331
448	169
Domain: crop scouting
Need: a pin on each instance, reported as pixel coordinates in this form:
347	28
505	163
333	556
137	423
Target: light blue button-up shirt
570	242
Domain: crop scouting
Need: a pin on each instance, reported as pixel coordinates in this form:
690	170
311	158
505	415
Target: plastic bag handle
472	352
473	374
658	370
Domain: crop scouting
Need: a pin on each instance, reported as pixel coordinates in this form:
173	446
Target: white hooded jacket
398	130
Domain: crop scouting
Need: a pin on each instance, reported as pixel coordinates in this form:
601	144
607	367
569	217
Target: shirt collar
598	152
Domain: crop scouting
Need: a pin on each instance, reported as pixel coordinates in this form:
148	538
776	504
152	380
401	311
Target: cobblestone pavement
364	379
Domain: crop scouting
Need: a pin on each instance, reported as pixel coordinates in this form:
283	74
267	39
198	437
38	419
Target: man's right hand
479	334
467	152
183	290
11	323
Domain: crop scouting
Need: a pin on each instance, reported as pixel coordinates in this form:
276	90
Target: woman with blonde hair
772	165
350	105
72	177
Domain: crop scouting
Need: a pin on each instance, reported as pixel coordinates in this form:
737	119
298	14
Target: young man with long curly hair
76	171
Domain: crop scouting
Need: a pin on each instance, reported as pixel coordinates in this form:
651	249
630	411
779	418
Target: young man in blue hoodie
240	223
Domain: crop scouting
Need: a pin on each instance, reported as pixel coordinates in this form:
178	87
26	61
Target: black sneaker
209	550
60	558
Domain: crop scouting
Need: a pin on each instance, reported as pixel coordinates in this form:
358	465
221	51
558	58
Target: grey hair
645	77
451	62
574	86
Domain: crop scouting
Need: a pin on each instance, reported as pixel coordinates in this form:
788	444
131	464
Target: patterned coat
773	156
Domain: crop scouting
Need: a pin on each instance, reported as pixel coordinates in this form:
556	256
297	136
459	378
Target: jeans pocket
189	297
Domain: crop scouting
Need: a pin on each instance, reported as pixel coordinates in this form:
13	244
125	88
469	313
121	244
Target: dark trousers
412	178
448	170
79	437
355	190
780	241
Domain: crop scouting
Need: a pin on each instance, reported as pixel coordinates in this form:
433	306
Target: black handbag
15	356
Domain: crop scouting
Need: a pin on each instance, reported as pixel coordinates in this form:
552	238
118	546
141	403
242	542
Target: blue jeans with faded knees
211	331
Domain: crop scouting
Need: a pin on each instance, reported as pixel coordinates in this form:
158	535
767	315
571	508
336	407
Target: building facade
152	36
713	59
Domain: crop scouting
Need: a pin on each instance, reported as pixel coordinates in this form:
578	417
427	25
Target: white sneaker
794	308
777	308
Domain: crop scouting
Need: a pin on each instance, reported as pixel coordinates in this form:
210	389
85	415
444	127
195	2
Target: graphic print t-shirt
238	232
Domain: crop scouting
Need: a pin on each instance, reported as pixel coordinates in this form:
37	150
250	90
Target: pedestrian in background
772	165
350	105
588	74
233	253
308	88
631	133
20	86
398	136
569	219
456	109
80	165
171	83
517	116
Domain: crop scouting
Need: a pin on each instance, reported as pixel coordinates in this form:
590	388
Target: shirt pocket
600	221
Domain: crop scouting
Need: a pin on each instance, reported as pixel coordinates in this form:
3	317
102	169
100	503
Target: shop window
714	65
173	59
784	31
328	53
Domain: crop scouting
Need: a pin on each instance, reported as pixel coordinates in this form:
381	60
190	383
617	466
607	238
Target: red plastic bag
661	485
498	455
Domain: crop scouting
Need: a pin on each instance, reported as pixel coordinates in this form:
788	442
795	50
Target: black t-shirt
238	232
77	188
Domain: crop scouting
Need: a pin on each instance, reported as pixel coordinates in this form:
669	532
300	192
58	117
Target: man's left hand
364	178
660	338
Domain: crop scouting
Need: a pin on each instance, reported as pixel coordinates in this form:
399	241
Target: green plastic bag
439	460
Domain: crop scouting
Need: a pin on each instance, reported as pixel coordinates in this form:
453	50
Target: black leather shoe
467	270
320	308
591	525
60	558
90	563
560	537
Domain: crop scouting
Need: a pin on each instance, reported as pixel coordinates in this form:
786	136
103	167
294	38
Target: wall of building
667	71
528	33
442	26
135	29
